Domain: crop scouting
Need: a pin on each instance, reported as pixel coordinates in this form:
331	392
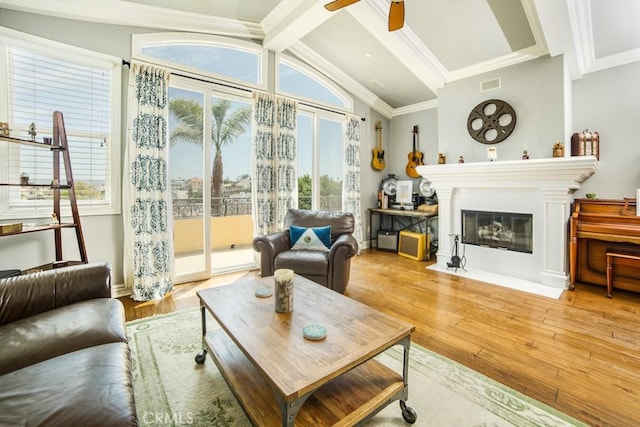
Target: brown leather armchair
329	268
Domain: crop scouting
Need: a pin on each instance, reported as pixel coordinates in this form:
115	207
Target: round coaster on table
264	292
314	332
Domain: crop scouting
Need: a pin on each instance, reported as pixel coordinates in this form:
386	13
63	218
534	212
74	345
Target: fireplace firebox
500	230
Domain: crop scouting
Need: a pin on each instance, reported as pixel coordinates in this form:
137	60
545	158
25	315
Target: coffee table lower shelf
344	401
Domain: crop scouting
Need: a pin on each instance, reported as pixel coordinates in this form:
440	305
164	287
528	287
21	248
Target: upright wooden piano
598	225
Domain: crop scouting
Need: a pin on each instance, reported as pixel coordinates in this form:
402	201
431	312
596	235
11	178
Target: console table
415	218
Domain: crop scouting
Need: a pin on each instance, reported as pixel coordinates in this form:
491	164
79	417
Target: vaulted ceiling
394	72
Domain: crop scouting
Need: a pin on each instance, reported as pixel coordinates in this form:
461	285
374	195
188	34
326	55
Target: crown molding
414	108
514	58
122	12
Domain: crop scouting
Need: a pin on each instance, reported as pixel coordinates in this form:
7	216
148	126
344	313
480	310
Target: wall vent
490	85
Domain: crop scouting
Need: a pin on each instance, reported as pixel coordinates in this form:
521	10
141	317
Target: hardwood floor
579	354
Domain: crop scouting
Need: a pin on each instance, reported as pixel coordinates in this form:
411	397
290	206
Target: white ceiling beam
403	43
580	18
581	27
290	21
120	12
556	27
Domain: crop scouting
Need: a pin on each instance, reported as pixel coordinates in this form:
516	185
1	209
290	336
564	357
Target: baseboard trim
120	290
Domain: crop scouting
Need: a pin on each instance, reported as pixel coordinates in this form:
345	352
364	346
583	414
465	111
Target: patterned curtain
274	161
148	244
351	181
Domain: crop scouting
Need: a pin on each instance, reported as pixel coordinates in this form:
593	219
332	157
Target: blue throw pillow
311	239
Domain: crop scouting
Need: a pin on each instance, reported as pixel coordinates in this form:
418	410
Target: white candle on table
283	290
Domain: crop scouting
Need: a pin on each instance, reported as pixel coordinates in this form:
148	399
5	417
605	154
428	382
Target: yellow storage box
412	245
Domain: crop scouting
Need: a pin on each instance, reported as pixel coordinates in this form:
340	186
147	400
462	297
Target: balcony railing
220	206
231	206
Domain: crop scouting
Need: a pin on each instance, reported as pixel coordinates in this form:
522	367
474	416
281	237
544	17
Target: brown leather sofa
330	268
64	357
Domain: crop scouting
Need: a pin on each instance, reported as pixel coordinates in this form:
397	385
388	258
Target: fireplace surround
540	187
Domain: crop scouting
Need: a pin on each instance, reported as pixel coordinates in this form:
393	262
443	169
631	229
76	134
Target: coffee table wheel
408	413
201	357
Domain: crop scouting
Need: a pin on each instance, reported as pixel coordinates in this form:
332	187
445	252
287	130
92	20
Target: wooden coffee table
281	378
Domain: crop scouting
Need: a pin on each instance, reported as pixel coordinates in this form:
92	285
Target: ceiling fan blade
396	15
339	4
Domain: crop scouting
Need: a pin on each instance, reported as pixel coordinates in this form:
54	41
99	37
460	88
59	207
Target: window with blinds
81	87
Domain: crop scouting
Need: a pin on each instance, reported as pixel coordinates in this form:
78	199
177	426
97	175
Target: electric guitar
415	157
378	153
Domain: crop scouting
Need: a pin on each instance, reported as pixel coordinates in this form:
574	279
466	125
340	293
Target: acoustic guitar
415	157
378	153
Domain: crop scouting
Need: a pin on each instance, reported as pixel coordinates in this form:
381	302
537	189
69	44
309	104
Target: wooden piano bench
623	257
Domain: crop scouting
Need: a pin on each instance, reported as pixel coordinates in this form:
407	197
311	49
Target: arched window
300	81
221	58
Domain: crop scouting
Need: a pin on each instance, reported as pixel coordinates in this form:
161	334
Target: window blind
38	85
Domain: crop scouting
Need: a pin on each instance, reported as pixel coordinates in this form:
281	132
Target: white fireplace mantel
558	172
543	186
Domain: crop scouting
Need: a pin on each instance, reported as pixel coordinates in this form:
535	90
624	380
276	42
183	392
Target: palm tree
225	129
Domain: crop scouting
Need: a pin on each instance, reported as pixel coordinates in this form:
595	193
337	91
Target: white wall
609	102
535	91
370	178
400	143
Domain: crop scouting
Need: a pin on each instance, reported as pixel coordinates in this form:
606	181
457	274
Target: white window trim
73	54
139	41
316	75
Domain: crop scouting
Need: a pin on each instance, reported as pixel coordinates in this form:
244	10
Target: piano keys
596	226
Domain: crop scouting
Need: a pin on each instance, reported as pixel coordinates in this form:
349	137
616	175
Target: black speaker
388	240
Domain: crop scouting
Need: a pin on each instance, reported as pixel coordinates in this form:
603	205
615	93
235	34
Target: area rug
171	389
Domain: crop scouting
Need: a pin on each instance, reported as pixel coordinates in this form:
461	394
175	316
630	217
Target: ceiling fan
396	12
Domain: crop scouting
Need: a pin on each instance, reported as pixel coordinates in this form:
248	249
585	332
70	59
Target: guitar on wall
378	153
415	157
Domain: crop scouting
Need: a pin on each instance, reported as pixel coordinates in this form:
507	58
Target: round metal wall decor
491	121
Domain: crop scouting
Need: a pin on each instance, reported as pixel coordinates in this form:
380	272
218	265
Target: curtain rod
200	79
128	64
327	109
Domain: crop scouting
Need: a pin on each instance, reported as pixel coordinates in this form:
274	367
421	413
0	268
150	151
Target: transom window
216	57
300	81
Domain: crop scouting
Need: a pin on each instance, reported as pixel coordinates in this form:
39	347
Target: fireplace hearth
498	230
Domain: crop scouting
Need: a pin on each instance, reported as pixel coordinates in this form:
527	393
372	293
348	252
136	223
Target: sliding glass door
188	173
210	170
231	220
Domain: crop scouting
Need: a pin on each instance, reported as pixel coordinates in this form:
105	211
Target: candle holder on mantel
283	290
492	153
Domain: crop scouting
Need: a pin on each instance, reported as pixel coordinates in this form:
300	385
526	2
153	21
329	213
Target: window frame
75	55
317	115
139	41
